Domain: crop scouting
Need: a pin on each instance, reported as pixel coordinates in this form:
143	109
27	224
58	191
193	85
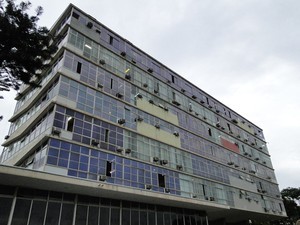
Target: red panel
229	145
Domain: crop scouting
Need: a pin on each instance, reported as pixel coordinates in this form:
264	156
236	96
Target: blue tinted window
75	148
64	154
51	160
54	143
65	145
53	152
74	157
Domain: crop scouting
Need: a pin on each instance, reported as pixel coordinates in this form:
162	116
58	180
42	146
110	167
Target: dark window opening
79	64
70	123
75	15
228	125
111	83
229	114
111	40
209	131
281	209
207	101
174	96
173	79
106	137
108	168
203	188
161	180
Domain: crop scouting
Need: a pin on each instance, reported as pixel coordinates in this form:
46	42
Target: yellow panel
157	111
158	134
246	127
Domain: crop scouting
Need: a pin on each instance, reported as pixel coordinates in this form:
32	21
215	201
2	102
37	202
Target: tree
24	47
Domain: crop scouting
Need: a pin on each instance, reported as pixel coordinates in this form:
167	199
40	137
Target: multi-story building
115	137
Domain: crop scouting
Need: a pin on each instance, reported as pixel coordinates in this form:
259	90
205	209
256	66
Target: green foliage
24	47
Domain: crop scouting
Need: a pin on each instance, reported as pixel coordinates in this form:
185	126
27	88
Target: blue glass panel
74	157
127	176
83	167
52	160
78	115
84	159
93	161
58	124
119	174
65	145
54	143
64	154
75	148
94	153
93	169
73	165
63	163
60	109
82	175
53	152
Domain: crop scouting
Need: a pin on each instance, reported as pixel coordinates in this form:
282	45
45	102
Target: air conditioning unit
95	142
123	54
202	102
138	119
194	96
179	167
102	61
163	162
161	106
133	61
121	121
145	85
157	126
6	137
176	133
89	25
266	209
102	178
150	70
100	85
211	199
139	95
56	131
127	150
120	150
119	95
234	121
151	101
176	103
230	163
127	76
193	195
148	186
182	90
155	159
218	125
167	190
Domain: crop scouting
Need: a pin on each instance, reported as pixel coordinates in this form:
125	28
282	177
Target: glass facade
108	112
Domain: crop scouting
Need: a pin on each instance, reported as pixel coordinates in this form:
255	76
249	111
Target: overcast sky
245	53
